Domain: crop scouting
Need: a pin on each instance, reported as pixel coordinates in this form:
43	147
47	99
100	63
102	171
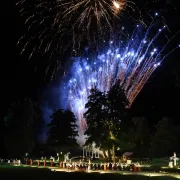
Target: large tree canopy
165	140
22	125
105	111
62	131
141	133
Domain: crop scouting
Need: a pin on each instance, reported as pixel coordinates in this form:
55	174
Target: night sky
160	96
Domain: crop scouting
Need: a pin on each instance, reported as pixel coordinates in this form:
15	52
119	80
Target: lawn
11	172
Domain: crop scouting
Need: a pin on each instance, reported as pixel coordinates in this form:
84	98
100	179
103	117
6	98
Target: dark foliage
62	131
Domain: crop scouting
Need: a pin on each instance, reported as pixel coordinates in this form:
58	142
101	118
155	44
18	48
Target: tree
178	137
141	136
20	123
117	103
164	141
38	124
2	133
62	131
104	114
95	117
125	140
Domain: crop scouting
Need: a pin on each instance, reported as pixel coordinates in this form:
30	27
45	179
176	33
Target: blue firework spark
132	61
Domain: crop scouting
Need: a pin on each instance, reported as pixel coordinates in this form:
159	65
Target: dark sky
159	97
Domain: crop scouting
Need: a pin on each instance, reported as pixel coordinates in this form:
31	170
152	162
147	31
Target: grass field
11	172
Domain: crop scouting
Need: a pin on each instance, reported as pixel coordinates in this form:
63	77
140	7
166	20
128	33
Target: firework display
53	26
57	25
93	9
131	61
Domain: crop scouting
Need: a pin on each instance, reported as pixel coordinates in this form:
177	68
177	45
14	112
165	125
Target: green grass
162	161
11	172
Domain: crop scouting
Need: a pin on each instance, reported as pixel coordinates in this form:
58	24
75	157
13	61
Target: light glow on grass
149	174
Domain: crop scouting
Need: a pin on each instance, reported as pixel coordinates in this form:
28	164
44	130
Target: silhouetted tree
125	140
62	131
2	134
178	137
141	136
20	123
164	141
104	114
38	124
117	103
95	117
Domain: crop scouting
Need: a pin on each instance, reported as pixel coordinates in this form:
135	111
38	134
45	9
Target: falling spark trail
133	62
57	20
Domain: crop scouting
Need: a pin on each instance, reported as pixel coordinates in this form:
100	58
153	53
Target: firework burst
53	26
131	61
90	10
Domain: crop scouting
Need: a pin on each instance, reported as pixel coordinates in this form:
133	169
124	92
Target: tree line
106	116
108	127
